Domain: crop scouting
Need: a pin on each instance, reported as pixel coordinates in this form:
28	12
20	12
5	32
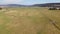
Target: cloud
10	1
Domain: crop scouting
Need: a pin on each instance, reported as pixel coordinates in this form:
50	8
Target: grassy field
29	21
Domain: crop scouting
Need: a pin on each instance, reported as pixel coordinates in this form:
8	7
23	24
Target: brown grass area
23	22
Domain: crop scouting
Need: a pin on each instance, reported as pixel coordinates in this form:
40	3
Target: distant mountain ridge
38	5
12	5
46	4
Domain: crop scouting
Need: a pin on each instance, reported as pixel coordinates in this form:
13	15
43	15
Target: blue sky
27	2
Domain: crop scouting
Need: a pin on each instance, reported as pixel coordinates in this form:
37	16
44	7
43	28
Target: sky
27	2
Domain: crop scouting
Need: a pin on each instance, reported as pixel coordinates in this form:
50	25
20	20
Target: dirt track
53	22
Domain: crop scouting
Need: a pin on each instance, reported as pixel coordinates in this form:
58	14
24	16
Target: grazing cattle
54	8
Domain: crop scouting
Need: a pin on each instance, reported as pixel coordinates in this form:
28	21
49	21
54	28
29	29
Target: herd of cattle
54	8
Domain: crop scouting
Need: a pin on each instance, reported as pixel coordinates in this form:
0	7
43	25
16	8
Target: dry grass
28	21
